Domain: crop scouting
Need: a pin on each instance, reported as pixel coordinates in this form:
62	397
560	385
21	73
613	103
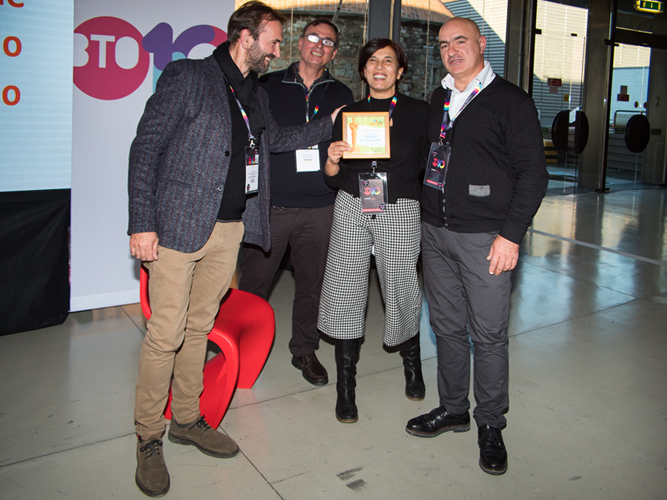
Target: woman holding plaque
376	167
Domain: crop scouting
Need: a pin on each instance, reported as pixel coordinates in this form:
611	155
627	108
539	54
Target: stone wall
425	66
344	67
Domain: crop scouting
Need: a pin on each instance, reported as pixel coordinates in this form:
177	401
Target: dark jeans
307	231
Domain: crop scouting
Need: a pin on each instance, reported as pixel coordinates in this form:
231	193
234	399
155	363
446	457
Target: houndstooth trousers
396	235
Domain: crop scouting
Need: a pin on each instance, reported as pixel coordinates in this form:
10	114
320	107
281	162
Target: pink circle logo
110	62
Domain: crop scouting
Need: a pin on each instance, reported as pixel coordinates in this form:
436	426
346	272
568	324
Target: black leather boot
347	355
412	366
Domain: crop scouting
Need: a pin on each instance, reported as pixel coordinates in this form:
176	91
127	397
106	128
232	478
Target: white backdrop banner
120	49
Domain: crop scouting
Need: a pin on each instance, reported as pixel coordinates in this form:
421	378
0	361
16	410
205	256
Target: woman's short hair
380	43
251	16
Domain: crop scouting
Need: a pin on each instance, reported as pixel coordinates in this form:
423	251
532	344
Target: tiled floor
588	371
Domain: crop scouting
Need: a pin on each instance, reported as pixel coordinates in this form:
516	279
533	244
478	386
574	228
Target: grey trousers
464	301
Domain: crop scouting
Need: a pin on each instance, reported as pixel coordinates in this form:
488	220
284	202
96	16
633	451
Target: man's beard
256	60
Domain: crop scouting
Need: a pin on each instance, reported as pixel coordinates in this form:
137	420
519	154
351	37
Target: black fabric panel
34	259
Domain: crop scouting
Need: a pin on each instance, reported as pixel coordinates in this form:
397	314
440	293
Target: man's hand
144	246
503	255
335	114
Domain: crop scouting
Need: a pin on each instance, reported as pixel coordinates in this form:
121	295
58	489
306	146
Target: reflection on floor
563	180
588	416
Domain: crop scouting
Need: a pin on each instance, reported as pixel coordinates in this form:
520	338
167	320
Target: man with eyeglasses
301	202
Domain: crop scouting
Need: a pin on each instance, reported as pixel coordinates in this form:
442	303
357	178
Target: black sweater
409	149
287	100
497	173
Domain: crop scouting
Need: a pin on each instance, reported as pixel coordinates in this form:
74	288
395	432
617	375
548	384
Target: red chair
244	332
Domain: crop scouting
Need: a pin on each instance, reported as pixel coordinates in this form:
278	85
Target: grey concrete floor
588	369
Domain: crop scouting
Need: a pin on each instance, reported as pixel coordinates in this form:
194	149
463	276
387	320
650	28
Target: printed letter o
17	48
5	95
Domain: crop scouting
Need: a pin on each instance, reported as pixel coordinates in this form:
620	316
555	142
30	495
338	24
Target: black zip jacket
287	100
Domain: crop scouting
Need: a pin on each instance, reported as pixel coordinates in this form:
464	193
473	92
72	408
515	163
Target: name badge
308	160
251	170
437	165
373	192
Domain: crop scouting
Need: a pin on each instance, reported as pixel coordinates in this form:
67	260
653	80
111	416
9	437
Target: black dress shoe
492	453
312	369
436	422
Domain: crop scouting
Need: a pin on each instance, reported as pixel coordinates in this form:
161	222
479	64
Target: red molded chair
244	332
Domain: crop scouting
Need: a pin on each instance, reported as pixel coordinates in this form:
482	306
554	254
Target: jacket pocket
479	191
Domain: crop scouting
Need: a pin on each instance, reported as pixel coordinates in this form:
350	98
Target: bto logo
111	57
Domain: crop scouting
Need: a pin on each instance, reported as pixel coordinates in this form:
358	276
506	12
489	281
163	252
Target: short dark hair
317	22
380	43
251	16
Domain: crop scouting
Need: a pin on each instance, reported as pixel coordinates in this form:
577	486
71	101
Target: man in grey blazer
199	180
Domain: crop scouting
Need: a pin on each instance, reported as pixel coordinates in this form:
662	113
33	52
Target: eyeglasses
327	42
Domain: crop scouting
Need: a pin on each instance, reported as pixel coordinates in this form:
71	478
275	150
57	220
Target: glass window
558	73
351	20
491	17
420	23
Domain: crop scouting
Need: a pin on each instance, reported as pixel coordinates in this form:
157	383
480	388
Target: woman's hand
335	153
336	150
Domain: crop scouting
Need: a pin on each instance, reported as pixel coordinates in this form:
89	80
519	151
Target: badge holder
308	160
251	169
373	192
437	166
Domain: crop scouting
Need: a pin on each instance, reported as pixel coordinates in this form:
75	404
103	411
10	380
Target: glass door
629	123
558	72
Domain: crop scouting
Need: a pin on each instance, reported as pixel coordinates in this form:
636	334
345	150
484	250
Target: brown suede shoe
152	477
207	439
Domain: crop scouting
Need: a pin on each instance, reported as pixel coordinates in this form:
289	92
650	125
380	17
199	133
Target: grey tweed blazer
180	158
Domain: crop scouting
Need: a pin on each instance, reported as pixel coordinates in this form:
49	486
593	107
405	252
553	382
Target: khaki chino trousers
185	293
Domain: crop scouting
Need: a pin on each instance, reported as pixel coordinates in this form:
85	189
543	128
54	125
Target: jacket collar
292	76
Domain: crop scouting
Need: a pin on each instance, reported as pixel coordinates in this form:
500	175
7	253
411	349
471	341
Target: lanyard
307	92
317	106
251	137
394	100
448	123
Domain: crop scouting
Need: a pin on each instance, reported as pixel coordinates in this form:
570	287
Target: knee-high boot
347	355
412	366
